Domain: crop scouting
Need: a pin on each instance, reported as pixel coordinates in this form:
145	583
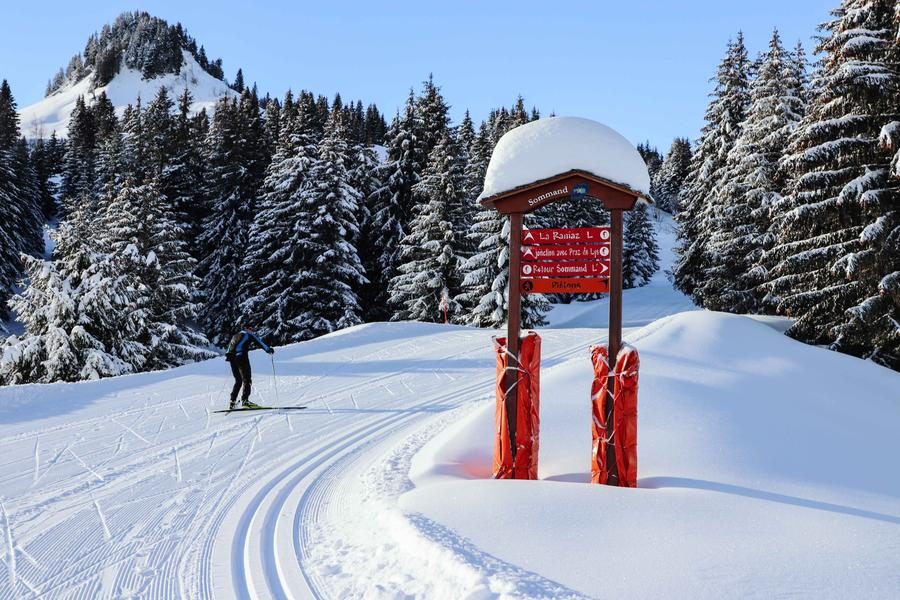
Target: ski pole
274	380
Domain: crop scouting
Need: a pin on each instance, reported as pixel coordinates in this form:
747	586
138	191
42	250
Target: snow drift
766	468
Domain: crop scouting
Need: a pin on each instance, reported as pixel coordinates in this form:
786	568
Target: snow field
763	471
195	504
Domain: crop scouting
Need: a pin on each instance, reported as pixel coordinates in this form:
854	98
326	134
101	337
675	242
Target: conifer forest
143	237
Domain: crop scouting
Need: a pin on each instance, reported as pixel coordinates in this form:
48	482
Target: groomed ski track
137	490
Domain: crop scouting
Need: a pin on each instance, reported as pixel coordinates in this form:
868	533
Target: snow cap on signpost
547	149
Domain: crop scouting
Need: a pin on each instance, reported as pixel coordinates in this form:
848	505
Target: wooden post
513	327
615	332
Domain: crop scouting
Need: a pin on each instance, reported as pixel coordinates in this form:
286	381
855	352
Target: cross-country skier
239	358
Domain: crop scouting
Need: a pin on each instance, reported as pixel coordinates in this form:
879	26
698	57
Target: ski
231	410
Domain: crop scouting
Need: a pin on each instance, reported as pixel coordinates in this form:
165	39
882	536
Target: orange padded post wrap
623	432
528	418
599	398
625	411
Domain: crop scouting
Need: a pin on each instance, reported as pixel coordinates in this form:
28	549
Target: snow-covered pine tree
273	254
393	203
483	224
75	311
375	125
652	158
158	123
31	215
10	268
428	277
725	114
48	312
183	182
465	137
146	247
835	256
329	266
753	185
78	171
236	162
486	272
640	253
21	217
462	212
44	172
364	177
672	174
137	157
432	111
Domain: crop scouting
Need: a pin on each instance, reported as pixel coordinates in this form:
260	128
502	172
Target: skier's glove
270	351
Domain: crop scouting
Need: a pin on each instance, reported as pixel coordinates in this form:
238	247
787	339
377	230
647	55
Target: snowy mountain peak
134	57
52	113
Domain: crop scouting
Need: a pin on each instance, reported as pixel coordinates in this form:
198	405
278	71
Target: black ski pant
240	368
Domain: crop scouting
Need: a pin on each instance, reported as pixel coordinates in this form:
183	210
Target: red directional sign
565	285
579	252
576	235
566	269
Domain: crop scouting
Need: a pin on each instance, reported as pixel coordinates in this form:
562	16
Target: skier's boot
249	404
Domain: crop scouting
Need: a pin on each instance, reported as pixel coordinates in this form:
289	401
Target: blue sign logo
579	191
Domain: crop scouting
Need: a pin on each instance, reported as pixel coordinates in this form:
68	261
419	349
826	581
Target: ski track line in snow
83	423
370	425
202	571
79	575
322	491
335	420
276	581
278	562
352	426
10	546
138	557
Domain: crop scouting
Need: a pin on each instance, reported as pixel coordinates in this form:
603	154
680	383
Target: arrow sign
575	235
565	286
566	269
573	252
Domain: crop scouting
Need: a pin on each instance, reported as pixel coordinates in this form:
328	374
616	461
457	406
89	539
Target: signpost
575	235
593	254
565	285
582	252
597	268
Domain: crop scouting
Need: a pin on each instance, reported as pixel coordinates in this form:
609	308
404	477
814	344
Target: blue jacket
241	342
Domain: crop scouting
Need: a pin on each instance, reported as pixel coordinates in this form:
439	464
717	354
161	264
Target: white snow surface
556	145
766	468
52	113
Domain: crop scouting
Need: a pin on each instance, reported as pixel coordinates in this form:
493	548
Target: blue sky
641	67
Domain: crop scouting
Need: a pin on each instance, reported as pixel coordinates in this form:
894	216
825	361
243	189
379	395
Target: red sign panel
576	235
565	286
566	269
580	252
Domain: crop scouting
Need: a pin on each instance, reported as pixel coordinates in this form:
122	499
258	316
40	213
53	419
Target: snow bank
52	114
552	146
764	465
